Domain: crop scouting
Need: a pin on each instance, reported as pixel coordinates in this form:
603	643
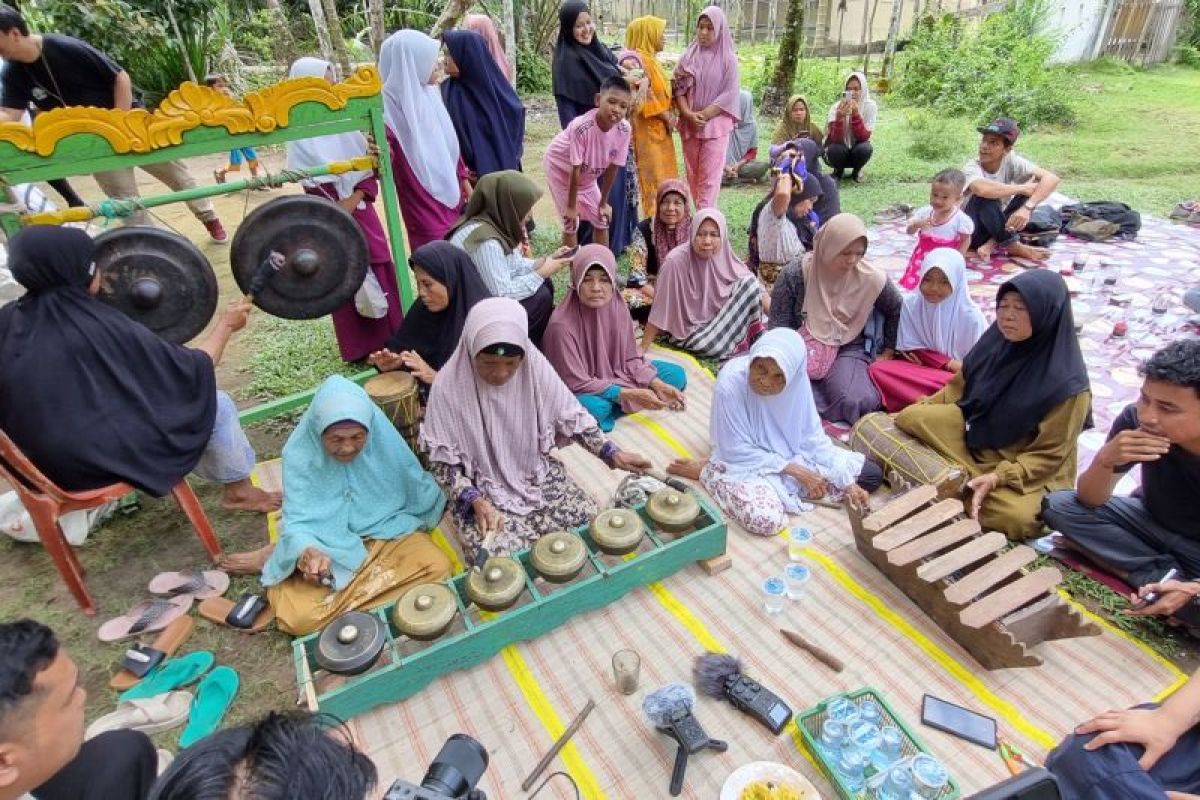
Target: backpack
1043	227
1123	222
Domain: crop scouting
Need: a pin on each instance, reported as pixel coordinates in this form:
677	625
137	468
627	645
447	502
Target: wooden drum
396	395
907	461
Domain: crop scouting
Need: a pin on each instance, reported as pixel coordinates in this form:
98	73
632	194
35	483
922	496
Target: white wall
1078	24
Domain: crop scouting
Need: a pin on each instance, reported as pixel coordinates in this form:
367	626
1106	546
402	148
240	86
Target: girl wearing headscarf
492	232
829	204
740	163
487	114
1012	415
581	63
448	286
851	120
939	324
483	25
653	147
770	452
431	178
495	413
357	335
705	87
784	224
589	341
847	311
797	123
655	237
705	299
93	398
358	505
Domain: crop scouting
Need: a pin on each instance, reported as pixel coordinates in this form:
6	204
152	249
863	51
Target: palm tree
784	76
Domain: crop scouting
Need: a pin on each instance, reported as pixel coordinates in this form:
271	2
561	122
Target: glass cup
774	595
798	539
627	666
795	576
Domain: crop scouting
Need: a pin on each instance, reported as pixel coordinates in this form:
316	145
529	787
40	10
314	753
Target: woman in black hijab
92	397
1011	417
448	285
581	62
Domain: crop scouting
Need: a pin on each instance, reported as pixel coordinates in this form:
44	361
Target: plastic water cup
850	768
898	785
891	745
798	539
774	595
865	736
841	709
833	736
795	576
870	711
929	777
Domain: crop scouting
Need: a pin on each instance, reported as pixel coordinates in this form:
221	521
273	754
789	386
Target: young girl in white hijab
939	324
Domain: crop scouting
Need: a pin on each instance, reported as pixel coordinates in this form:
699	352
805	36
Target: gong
558	556
672	510
324	262
425	611
617	531
497	584
157	278
351	643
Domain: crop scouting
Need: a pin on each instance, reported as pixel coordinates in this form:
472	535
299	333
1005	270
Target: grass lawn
1135	142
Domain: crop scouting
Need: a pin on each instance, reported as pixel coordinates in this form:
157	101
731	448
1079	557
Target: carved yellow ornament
188	107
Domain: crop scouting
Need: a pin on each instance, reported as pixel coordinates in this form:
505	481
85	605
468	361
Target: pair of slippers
155	703
174	594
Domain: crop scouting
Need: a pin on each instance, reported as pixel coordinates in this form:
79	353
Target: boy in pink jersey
582	160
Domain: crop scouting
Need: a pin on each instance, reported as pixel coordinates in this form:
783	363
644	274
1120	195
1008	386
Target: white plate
771	771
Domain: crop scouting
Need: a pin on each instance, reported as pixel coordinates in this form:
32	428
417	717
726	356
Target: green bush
1188	55
1002	69
533	72
934	137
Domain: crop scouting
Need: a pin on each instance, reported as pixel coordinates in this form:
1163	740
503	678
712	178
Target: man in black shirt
52	71
1140	538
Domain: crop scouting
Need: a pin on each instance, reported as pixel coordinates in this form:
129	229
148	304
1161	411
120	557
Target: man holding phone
1143	538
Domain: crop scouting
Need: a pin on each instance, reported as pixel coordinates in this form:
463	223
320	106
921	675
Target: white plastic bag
16	522
370	300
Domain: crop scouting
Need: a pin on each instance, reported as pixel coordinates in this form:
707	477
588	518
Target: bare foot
1022	250
687	468
246	563
984	253
245	496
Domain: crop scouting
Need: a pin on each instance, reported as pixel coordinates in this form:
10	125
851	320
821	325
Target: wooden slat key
976	583
917	524
1009	598
899	508
933	542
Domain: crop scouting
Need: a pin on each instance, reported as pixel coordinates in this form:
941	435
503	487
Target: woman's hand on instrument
630	462
981	487
815	487
668	394
1172	596
857	496
488	518
418	367
1150	728
312	564
385	360
237	314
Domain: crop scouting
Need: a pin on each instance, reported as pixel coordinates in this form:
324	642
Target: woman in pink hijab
589	341
706	87
705	300
484	26
495	412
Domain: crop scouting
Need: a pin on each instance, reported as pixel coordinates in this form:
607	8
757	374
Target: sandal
146	714
216	609
170	675
149	616
195	583
214	696
168	642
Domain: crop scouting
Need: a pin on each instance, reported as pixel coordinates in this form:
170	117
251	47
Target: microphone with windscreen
670	709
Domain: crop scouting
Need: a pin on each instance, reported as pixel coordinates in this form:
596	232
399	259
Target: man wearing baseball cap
1002	191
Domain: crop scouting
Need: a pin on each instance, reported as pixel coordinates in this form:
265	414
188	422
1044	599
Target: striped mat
520	701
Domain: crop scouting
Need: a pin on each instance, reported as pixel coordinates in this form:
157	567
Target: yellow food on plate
765	790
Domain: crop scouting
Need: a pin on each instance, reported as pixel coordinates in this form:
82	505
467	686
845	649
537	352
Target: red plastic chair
46	503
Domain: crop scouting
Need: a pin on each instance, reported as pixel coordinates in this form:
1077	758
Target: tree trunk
285	45
377	31
509	28
786	61
451	14
322	27
889	49
335	36
868	38
187	62
841	9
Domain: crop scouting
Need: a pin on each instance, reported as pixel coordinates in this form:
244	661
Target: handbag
820	355
370	300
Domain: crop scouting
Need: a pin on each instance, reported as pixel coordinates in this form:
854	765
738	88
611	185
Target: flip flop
216	609
199	584
146	714
214	696
149	616
171	675
168	641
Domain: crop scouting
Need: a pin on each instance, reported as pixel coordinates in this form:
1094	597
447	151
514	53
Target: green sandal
170	675
214	696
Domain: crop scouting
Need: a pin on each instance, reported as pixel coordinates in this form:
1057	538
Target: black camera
452	774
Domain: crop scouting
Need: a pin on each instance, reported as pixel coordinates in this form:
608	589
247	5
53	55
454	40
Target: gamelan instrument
672	510
497	585
906	460
396	393
351	643
424	612
617	531
559	556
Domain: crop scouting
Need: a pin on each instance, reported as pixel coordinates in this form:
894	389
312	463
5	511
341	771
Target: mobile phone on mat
961	722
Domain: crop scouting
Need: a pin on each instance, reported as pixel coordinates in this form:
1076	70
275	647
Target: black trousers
990	217
843	158
67	192
539	306
118	765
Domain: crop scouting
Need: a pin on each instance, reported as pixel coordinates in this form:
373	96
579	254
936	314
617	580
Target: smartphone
962	722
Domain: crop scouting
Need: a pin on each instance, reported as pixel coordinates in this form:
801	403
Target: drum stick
558	745
265	272
663	477
821	654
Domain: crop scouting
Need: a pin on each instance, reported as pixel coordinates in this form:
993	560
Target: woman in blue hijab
487	114
356	507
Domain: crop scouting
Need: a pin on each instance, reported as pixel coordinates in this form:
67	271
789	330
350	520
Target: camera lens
457	767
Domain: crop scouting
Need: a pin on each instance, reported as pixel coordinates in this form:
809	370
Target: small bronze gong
351	643
617	531
672	510
425	611
497	584
558	556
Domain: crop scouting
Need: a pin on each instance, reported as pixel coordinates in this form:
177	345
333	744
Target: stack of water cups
777	590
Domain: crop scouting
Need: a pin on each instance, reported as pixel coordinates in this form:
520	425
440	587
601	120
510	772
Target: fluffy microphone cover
712	670
663	703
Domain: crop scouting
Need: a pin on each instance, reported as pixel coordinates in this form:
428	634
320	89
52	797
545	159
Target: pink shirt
583	143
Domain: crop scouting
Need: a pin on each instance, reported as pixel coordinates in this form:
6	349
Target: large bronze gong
672	511
325	256
158	278
351	643
558	556
497	584
617	531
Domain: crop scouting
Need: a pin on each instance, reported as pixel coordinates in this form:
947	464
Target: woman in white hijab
939	324
770	450
851	120
430	176
357	335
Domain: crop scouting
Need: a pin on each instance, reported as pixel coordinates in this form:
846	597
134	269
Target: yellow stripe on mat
536	699
443	544
661	433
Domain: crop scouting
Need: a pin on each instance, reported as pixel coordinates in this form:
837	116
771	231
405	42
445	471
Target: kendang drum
906	460
396	394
